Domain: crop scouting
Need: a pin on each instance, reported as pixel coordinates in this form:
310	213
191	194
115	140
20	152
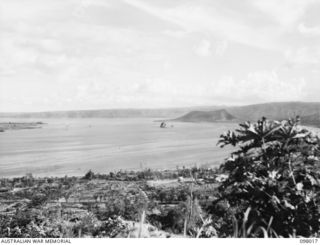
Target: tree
89	175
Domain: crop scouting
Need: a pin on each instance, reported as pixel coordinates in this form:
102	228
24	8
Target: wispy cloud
196	18
286	12
203	48
263	86
303	56
309	30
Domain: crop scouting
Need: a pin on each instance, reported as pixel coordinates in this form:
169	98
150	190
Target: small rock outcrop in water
163	125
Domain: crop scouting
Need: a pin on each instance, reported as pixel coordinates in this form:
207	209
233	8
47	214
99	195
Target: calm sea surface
73	146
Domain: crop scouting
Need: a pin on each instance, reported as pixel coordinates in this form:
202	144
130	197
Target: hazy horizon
124	108
78	55
159	108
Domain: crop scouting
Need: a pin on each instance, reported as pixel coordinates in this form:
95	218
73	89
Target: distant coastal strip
19	125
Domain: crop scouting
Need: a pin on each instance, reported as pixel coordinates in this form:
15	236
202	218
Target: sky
101	54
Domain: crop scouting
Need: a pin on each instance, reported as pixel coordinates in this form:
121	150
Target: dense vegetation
273	183
268	187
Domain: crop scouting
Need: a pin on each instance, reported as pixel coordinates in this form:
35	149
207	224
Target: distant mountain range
110	113
308	111
277	110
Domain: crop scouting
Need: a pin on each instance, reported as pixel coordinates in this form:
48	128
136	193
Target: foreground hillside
123	204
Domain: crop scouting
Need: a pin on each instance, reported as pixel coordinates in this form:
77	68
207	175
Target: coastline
4	126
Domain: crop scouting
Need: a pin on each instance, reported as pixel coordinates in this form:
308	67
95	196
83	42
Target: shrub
273	179
112	228
89	175
87	226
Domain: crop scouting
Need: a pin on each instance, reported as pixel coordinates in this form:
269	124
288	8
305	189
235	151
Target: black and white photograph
159	119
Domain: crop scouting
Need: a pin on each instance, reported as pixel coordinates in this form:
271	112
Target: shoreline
4	126
134	171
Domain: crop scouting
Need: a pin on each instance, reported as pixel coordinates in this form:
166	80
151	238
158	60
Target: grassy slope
207	116
277	111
